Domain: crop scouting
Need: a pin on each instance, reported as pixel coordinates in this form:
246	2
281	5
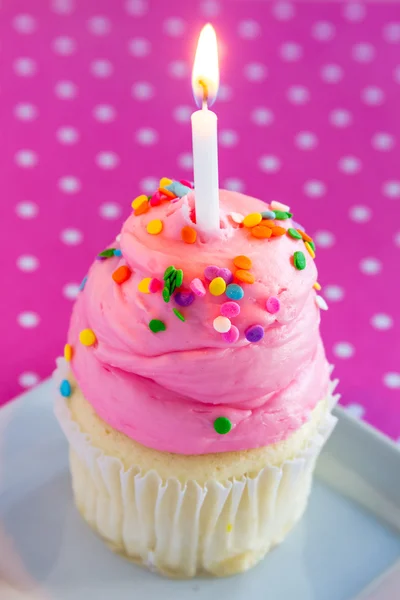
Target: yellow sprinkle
217	286
252	220
144	285
317	286
309	250
164	181
155	227
137	202
87	337
67	352
229	528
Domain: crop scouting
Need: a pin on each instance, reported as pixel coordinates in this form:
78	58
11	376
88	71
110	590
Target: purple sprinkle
184	298
273	305
211	272
231	336
254	333
230	309
226	275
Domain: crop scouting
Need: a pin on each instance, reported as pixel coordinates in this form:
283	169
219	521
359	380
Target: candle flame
205	74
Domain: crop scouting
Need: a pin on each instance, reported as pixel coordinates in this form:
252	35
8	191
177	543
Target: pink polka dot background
96	103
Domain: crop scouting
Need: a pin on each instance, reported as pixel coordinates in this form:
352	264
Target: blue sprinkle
117	252
234	291
178	189
65	388
82	286
268	214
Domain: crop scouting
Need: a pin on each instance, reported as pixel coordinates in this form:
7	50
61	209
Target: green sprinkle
107	253
294	234
166	294
168	272
222	425
156	325
178	314
282	215
179	278
170	283
299	260
312	245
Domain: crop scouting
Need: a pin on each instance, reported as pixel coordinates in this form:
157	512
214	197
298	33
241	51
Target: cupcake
194	390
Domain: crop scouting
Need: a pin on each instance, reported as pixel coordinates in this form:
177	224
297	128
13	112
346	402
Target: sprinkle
140	204
222	425
166	294
117	252
144	285
106	253
156	198
234	291
189	184
178	189
179	278
261	232
252	220
197	287
87	337
236	217
242	262
170	284
222	324
294	234
282	215
267	223
65	388
317	286
309	249
299	260
319	300
189	235
164	182
304	235
278	231
272	305
255	333
184	298
211	272
156	325
83	283
230	309
154	227
245	276
279	206
217	286
122	274
178	314
231	336
268	214
229	528
226	275
312	245
155	285
168	272
68	352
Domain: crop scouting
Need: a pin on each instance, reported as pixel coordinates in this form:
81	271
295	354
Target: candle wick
205	94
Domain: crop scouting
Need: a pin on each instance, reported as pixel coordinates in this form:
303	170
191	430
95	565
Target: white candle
205	81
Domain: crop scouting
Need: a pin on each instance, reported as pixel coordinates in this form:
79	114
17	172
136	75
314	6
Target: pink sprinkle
156	199
230	309
187	183
273	305
211	272
155	285
231	336
197	287
226	275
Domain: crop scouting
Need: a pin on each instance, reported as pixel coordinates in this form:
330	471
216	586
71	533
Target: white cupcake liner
185	529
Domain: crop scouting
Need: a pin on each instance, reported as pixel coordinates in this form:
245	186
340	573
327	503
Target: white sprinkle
236	217
222	324
279	206
320	302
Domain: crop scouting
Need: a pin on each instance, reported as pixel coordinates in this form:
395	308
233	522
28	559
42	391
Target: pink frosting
166	389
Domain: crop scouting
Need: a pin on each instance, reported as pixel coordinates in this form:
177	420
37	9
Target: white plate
48	553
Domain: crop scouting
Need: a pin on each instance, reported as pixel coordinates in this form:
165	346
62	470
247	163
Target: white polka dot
26	158
382	141
381	321
71	237
340	117
306	140
142	90
28	379
269	163
234	184
290	51
69	184
62	7
149	185
185	161
349	165
363	52
343	350
99	25
182	114
71	291
228	138
314	188
370	266
65	90
396	239
209	8
146	136
174	26
331	73
27	263
283	11
24	23
355	410
25	112
64	45
354	11
110	210
255	71
27	210
392	380
360	214
139	47
178	69
334	293
298	94
225	93
101	68
262	116
136	8
396	74
391	189
324	239
67	135
372	95
249	29
323	31
391	33
25	67
107	160
104	113
28	319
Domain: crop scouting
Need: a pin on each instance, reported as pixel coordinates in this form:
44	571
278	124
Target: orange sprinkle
189	235
309	250
122	274
317	286
305	237
245	276
261	232
143	208
276	231
267	223
242	262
